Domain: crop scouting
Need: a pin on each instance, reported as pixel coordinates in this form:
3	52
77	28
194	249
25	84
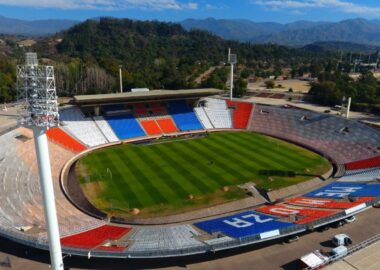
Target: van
338	252
341	240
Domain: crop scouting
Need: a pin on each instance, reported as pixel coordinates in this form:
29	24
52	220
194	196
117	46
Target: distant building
26	43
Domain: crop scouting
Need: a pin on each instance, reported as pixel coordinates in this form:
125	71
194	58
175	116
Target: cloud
342	5
104	4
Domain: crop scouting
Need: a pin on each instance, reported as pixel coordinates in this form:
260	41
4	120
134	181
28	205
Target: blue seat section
370	190
341	189
184	116
243	224
125	126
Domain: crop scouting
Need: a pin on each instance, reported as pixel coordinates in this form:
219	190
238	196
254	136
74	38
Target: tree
326	93
269	84
240	88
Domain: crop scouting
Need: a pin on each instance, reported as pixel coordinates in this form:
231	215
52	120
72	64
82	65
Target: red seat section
60	137
364	164
167	125
94	237
242	112
151	127
326	203
302	215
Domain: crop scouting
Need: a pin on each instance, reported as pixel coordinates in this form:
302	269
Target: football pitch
172	176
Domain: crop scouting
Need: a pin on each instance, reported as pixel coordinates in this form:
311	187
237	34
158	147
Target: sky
282	11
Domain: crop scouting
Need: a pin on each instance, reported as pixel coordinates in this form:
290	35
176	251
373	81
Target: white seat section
203	118
362	175
106	129
219	118
81	127
164	238
214	103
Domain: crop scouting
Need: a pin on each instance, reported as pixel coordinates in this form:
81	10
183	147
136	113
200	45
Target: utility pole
121	78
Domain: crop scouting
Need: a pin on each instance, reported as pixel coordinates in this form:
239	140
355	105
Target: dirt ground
298	86
8	117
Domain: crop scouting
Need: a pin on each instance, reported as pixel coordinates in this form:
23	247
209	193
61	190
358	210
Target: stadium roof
143	96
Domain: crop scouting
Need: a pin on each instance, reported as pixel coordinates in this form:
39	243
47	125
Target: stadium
165	174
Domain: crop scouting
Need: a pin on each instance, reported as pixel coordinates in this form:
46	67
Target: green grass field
158	178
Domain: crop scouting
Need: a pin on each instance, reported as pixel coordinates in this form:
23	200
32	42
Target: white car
350	219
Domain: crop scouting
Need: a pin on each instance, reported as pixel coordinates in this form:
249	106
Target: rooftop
143	96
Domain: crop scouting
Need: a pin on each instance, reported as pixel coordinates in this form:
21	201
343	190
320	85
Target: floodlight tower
232	60
38	110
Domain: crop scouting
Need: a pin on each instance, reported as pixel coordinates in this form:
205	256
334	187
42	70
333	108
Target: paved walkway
366	259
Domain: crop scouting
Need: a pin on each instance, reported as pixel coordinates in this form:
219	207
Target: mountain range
11	26
298	33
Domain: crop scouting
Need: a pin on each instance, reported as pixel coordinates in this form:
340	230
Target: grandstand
354	140
84	129
99	120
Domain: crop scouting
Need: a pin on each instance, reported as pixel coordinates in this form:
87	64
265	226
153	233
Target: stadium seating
340	139
361	175
340	190
125	126
57	135
20	190
364	164
105	129
94	237
167	125
203	118
301	215
157	108
164	238
81	127
243	224
140	110
184	116
217	104
241	113
326	203
151	127
111	248
114	108
219	118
